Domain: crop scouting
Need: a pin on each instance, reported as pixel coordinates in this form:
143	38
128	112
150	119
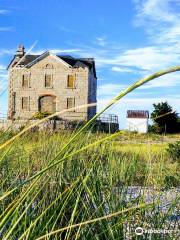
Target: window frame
26	78
23	103
69	86
14	101
51	80
73	103
49	66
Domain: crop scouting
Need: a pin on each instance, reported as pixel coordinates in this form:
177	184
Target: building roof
73	62
137	114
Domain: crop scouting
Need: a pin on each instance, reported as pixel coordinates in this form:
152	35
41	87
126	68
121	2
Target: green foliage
151	129
170	181
174	150
40	115
165	120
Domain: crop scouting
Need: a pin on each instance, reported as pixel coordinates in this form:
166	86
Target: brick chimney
20	51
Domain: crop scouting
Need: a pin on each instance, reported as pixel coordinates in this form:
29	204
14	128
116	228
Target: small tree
165	120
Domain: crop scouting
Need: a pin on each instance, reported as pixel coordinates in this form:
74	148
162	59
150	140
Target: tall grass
80	185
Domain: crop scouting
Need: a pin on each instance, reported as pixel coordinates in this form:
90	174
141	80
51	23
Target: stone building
51	83
137	120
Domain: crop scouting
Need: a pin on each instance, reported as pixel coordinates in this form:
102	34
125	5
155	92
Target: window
70	102
71	81
25	103
14	102
49	66
25	80
48	80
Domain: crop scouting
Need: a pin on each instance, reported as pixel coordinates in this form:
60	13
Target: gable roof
137	114
29	59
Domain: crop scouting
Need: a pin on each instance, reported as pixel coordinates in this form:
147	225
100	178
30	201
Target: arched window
47	103
49	66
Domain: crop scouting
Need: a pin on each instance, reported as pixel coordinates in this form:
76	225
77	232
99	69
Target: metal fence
108	118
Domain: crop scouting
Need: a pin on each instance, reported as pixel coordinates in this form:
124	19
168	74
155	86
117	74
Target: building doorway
47	104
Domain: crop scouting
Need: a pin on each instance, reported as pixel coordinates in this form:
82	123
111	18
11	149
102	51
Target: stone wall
56	125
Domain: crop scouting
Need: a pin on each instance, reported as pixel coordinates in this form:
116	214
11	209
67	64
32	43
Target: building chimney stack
20	51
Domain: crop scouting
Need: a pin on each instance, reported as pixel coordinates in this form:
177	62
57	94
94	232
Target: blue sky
128	39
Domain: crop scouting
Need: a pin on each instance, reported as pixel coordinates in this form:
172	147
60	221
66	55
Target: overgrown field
99	187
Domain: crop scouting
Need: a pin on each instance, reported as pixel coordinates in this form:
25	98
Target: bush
170	181
152	129
174	150
40	115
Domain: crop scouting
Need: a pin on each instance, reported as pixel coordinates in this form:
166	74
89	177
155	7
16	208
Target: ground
48	183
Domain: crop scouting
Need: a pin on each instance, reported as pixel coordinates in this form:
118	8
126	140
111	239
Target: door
47	104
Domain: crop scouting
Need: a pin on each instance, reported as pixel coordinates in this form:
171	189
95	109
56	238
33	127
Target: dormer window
25	80
48	81
71	81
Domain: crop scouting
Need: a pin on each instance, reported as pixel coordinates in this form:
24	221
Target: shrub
174	150
170	181
40	115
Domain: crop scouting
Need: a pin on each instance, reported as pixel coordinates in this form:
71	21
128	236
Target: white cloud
4	11
162	19
141	103
165	81
7	52
56	51
110	89
6	29
122	69
68	30
145	60
2	67
101	41
155	10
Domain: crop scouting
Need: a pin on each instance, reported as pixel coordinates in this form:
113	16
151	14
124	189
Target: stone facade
51	83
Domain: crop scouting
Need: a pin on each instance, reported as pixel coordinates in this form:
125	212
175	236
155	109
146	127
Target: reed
81	185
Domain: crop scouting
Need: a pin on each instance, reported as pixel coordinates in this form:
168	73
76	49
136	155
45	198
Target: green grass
82	187
78	185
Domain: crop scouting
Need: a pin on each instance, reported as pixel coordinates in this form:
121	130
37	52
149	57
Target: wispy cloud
4	52
4	11
163	49
122	69
3	79
166	81
162	17
142	60
6	29
56	51
155	10
67	30
110	89
101	41
2	68
141	102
